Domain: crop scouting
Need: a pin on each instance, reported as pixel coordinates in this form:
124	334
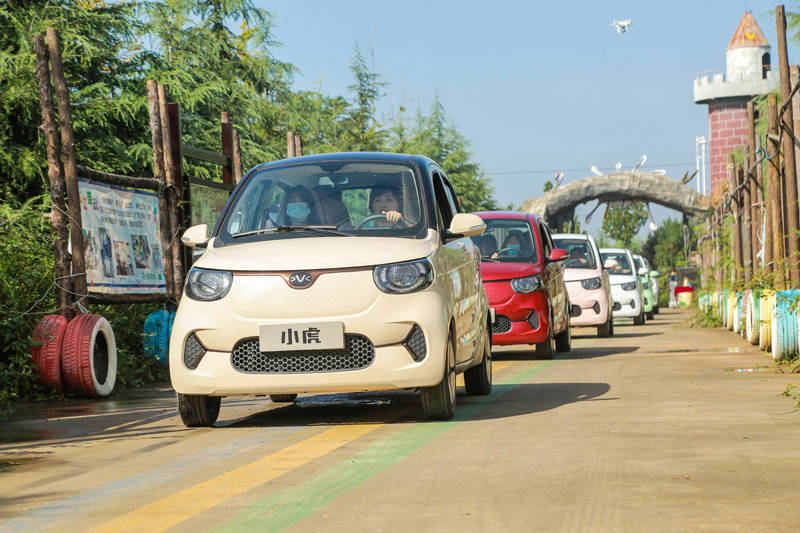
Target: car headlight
400	278
208	285
526	285
591	283
630	286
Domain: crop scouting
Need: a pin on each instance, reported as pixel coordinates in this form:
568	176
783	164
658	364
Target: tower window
764	66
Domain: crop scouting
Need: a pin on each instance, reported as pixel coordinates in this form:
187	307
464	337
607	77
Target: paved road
659	428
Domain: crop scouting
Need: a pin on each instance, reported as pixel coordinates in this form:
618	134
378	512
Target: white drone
622	25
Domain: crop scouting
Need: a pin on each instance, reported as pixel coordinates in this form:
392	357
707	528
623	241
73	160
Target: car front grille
502	324
358	353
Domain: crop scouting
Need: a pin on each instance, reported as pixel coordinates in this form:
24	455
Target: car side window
452	199
547	244
446	206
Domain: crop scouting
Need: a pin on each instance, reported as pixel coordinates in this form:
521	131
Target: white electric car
626	290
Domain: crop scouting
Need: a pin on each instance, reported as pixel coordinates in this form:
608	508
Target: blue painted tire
784	325
157	329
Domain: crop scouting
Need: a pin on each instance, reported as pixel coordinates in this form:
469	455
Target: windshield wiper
330	230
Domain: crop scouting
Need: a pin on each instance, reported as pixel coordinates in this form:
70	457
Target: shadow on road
590	352
530	398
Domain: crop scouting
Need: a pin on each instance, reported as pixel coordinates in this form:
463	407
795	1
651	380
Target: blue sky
536	87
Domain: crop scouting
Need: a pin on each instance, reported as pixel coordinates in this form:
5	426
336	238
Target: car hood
495	271
617	279
578	274
316	253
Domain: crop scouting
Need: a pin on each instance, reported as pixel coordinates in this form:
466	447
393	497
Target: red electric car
523	277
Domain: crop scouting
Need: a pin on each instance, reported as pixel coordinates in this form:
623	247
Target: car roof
614	250
511	215
577	236
349	156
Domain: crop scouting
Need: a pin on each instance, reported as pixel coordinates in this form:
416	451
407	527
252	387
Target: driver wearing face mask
298	206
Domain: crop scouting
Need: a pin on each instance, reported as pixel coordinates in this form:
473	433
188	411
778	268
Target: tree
623	222
664	248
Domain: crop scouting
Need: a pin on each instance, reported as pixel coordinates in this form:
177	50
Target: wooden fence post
70	166
57	188
227	147
298	144
290	147
790	169
744	217
238	172
773	191
736	226
157	136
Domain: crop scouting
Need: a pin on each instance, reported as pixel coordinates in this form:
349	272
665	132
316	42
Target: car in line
643	270
523	276
334	273
625	286
587	283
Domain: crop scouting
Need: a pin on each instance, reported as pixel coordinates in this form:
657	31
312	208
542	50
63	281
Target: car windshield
329	198
580	253
622	266
507	240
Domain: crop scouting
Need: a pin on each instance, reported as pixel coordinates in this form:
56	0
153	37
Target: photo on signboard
141	251
90	251
122	257
156	255
106	253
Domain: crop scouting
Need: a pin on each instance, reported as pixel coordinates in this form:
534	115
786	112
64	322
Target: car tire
604	330
478	379
546	349
282	398
89	356
656	310
639	320
439	401
198	411
564	339
650	315
611	326
48	337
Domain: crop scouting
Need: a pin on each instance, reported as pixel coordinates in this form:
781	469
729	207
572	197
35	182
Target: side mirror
465	225
654	273
558	254
643	271
610	263
196	236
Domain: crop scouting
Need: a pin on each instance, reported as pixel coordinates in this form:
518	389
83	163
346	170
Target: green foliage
705	318
623	222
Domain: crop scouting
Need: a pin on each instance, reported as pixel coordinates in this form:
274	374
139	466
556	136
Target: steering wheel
370	218
507	252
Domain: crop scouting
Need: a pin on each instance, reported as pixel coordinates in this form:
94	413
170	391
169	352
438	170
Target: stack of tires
78	356
157	329
753	318
784	324
737	313
730	309
765	322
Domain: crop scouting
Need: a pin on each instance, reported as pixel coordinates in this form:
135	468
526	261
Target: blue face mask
298	211
514	249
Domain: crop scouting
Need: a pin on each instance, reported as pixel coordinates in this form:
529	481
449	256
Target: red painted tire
89	356
46	352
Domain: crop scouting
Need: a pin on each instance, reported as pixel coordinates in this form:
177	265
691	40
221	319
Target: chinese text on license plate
307	336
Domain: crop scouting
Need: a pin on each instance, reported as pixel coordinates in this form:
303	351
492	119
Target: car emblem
300	279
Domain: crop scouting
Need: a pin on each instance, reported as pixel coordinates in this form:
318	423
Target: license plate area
301	337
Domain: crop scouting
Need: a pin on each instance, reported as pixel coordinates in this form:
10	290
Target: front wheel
439	401
198	411
639	320
564	339
656	310
650	315
605	330
478	379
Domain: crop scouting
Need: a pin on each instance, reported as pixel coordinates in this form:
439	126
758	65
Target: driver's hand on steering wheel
392	216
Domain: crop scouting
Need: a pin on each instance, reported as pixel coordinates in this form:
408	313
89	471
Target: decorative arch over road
559	205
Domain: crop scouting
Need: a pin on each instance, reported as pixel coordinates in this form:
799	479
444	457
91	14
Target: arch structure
558	205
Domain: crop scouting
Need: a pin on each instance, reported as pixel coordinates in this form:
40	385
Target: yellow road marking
168	511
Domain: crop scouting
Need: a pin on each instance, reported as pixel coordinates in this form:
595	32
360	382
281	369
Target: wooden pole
298	144
226	135
238	171
773	191
156	136
173	194
744	217
790	169
764	215
736	226
57	187
752	184
794	75
70	168
290	144
183	200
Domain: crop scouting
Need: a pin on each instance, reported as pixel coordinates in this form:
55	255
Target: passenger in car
577	257
385	200
512	245
488	245
300	206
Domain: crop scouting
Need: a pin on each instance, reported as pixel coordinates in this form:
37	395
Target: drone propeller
595	170
640	163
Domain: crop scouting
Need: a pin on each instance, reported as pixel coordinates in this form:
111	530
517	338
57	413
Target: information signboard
122	239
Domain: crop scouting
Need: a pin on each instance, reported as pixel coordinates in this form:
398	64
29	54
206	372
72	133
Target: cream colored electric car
334	273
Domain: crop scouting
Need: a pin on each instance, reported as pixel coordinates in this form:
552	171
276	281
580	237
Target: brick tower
747	74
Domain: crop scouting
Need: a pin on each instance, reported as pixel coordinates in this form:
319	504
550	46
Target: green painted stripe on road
283	509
